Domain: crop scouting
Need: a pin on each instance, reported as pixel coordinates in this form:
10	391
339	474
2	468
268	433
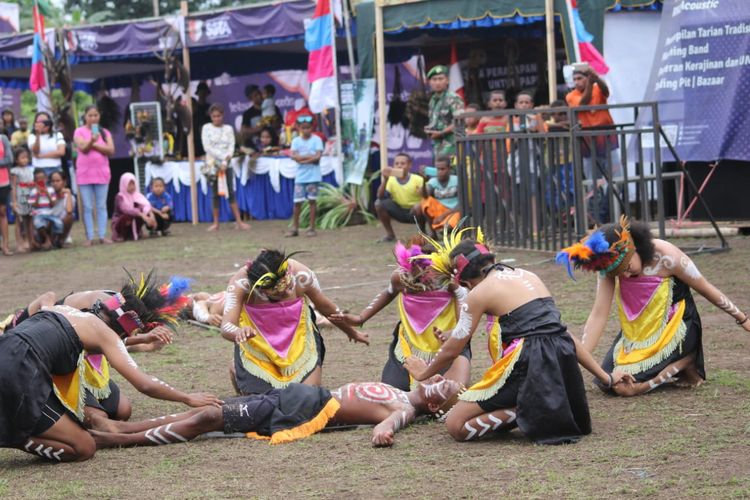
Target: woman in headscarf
132	211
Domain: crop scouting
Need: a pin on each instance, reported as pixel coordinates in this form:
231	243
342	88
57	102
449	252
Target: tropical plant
340	206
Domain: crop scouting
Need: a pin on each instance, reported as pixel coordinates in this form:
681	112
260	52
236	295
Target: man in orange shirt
590	90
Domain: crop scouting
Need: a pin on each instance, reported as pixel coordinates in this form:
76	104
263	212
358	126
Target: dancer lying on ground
297	411
41	393
536	384
103	396
660	338
206	308
267	314
425	301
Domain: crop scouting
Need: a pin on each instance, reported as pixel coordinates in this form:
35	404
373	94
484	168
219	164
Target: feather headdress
150	303
441	257
595	253
275	279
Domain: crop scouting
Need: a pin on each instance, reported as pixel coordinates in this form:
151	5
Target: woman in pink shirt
95	146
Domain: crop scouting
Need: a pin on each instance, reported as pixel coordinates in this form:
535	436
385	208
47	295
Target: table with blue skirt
263	186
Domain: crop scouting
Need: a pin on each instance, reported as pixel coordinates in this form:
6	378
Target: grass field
672	443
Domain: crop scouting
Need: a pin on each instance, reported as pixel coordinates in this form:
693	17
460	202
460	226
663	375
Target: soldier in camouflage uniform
444	105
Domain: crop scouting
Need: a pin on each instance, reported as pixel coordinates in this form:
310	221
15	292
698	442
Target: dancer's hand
339	318
357	336
214	319
382	437
160	335
440	334
244	333
622	377
415	366
198	399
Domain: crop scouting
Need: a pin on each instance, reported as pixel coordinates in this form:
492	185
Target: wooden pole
189	104
156	8
349	43
337	109
551	56
380	76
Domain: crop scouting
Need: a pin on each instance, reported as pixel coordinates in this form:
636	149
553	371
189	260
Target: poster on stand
357	116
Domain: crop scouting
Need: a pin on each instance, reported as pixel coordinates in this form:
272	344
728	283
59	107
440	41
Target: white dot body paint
463	326
124	351
160	382
390	288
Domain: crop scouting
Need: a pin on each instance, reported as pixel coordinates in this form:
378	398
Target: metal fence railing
542	185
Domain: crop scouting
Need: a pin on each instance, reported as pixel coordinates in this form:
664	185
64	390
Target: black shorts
52	411
397	212
4	195
109	404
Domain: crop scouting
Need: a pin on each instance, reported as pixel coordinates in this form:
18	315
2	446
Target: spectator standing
471	123
41	199
307	149
494	124
22	182
63	208
20	136
200	116
9	123
95	146
252	118
218	141
597	152
399	196
46	145
162	205
444	105
271	114
6	163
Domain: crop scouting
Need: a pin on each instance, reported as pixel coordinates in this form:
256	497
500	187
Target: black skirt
545	386
394	373
42	345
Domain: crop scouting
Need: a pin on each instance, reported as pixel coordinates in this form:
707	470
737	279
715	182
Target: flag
455	77
38	80
586	50
321	71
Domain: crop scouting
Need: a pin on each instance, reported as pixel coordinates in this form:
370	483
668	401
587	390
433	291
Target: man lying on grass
297	411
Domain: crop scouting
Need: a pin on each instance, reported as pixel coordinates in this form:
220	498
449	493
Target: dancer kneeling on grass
103	399
426	300
297	411
41	387
660	338
267	314
536	384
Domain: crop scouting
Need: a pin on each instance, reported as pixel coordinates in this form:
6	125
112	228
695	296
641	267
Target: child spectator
162	206
306	151
62	209
20	136
399	196
6	163
41	198
268	106
268	142
563	159
22	182
440	203
132	210
471	123
494	124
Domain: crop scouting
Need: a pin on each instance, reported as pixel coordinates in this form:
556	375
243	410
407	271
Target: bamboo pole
189	104
337	109
349	43
549	12
380	76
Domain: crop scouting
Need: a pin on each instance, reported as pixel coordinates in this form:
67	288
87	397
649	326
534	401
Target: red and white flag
321	68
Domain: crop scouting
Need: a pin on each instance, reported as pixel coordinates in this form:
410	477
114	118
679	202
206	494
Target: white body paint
124	350
662	262
690	268
471	430
507	274
44	452
463	326
728	306
666	378
306	278
160	382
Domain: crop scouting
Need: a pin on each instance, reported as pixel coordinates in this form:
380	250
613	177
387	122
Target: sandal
291	233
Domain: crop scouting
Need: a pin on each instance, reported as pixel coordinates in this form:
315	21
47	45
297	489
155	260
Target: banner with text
701	78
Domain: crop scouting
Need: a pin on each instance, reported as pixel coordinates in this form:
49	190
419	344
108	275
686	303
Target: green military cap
437	70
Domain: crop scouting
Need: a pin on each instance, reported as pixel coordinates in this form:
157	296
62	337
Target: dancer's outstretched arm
383	433
376	305
594	327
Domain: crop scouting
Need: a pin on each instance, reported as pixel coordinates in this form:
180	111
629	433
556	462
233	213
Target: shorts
245	413
52	411
109	404
42	220
305	191
4	195
396	211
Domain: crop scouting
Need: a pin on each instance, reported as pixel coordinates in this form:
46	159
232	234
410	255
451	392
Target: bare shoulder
239	281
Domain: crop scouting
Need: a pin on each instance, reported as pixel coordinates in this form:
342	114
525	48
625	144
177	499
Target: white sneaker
69	240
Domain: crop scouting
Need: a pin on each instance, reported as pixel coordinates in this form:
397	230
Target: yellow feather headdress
441	257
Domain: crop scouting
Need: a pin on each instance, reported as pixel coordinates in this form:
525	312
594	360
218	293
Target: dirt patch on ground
672	443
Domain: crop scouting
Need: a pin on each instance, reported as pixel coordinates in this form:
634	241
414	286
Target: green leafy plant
340	206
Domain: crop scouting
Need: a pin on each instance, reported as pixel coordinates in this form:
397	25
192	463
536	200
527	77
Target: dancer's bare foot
105	241
107	439
689	377
242	226
213	227
99	423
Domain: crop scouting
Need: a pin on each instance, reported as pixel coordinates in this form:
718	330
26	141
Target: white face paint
124	351
665	262
463	326
689	266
